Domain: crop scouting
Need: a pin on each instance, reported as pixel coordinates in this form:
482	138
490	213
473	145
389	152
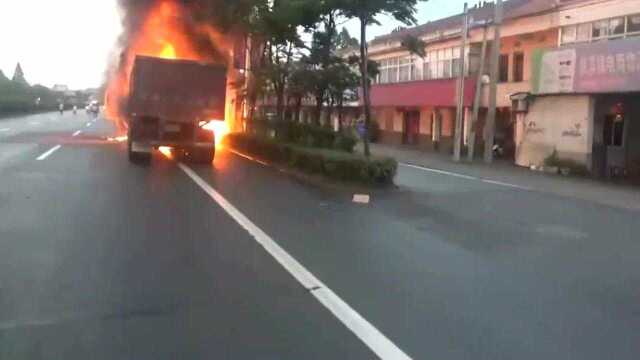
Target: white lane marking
488	181
89	124
5	130
77	133
442	172
494	182
34	123
49	152
248	157
364	330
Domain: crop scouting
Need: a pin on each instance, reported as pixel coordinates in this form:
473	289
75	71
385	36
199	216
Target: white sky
58	41
69	41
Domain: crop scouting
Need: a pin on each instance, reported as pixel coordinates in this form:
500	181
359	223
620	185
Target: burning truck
171	85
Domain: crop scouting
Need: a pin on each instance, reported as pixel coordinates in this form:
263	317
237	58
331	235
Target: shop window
503	75
518	67
633	23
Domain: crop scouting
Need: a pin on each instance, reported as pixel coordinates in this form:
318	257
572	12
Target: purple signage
603	67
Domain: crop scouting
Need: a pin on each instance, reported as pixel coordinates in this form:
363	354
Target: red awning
422	93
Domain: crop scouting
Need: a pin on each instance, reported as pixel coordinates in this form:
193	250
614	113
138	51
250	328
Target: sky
70	41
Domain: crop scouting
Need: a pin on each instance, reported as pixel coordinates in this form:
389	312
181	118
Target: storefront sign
604	67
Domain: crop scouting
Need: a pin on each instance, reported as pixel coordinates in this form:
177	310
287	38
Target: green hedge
336	165
307	135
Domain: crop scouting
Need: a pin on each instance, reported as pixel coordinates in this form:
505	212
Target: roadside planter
333	164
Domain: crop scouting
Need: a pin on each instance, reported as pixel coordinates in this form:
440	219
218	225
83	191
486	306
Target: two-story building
568	83
414	98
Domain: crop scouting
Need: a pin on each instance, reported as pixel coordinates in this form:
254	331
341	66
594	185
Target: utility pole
490	125
476	101
457	145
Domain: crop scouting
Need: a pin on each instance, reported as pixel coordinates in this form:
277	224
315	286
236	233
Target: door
411	127
614	141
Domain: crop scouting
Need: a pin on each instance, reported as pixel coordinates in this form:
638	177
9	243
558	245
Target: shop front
585	109
420	114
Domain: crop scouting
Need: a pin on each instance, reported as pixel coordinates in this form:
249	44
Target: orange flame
162	35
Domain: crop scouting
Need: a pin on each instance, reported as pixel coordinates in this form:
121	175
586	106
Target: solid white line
442	172
488	181
77	133
49	152
248	157
365	331
494	182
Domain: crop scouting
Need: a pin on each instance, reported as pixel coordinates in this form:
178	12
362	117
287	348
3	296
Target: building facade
568	83
585	99
414	98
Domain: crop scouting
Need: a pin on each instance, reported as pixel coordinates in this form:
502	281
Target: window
503	75
455	65
616	26
584	32
446	66
633	23
426	71
393	70
600	29
518	67
569	34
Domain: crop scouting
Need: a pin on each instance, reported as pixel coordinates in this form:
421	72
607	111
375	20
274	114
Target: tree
366	11
18	75
346	41
343	86
414	45
300	84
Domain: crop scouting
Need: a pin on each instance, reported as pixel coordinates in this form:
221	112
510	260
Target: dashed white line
77	133
442	172
363	329
48	152
5	130
89	124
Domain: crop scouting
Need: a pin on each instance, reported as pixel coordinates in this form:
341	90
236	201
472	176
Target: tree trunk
280	104
340	110
298	108
364	58
318	112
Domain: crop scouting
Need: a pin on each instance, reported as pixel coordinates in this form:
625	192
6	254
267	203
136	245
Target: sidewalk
616	195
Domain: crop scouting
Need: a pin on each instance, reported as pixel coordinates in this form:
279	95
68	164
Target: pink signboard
604	67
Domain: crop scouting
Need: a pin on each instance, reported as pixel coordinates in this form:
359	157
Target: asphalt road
102	259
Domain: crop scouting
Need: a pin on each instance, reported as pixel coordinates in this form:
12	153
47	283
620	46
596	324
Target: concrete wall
564	123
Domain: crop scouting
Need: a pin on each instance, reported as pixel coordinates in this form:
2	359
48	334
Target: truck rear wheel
135	157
